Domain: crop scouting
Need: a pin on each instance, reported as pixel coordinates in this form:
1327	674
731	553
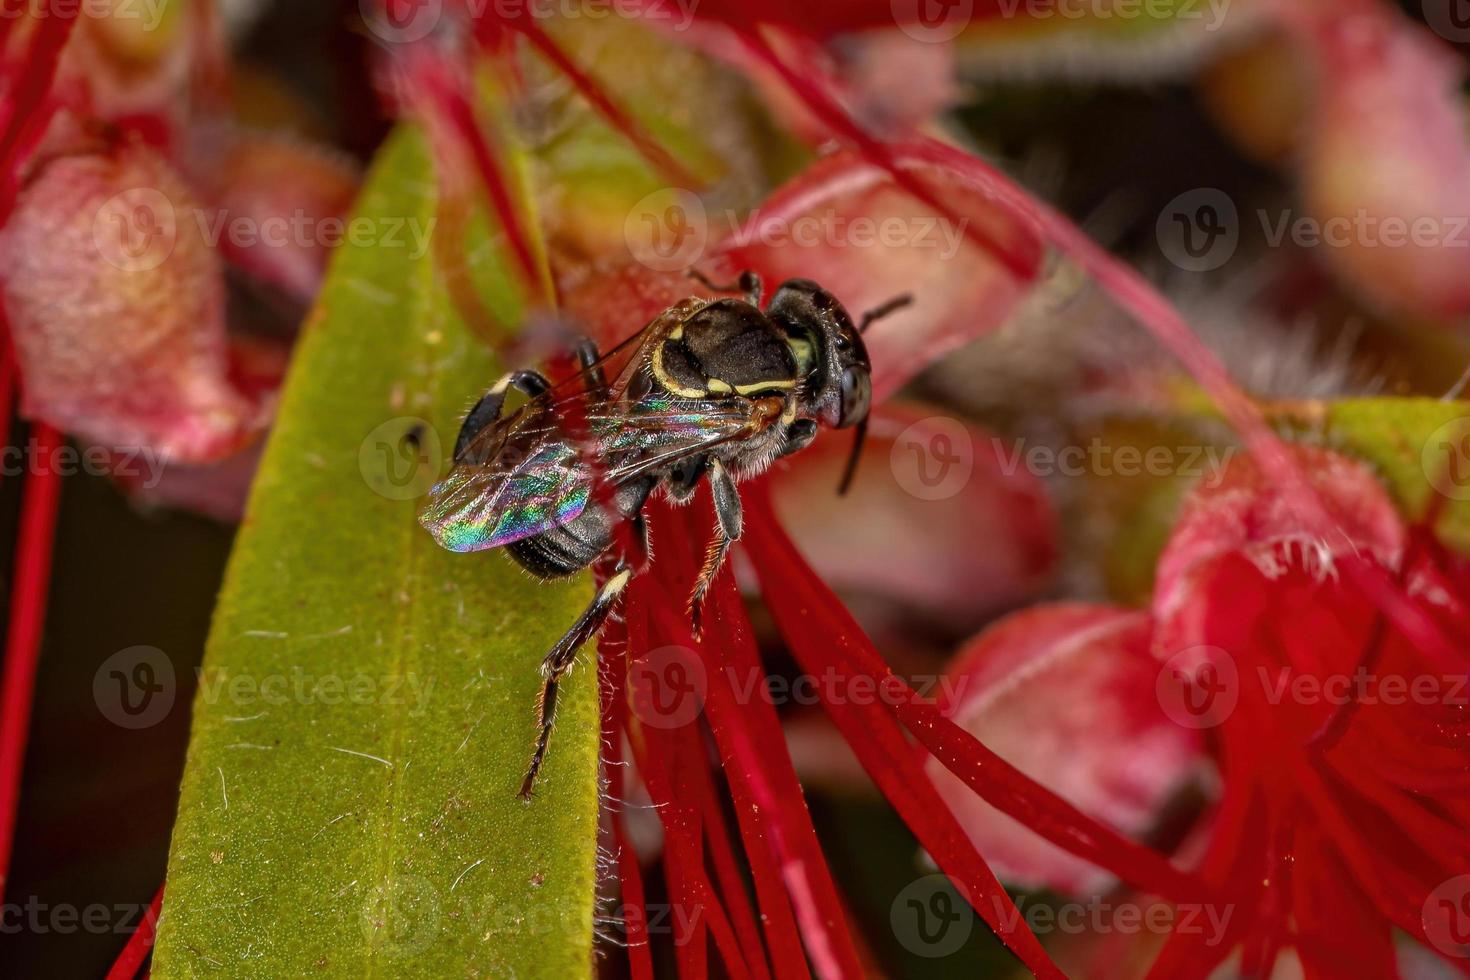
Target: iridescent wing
537	469
521	475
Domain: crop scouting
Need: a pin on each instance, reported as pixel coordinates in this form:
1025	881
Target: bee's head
829	352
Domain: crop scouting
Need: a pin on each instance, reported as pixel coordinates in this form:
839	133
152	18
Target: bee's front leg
729	524
559	661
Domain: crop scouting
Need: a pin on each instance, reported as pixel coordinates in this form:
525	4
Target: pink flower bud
116	307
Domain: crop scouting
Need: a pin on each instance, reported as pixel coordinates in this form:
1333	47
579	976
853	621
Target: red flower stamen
606	106
24	112
31	579
139	944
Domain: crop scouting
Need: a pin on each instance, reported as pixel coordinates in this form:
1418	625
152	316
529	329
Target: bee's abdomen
570	548
560	551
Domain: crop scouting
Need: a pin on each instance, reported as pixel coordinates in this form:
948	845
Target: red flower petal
845	223
933	520
280	205
1246	513
1067	694
1386	160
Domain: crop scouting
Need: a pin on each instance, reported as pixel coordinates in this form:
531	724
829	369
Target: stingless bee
713	390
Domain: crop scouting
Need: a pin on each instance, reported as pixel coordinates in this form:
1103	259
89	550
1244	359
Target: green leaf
591	180
366	707
1417	447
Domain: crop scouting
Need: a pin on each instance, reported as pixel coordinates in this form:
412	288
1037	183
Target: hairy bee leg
643	542
559	661
488	408
750	284
589	357
729	525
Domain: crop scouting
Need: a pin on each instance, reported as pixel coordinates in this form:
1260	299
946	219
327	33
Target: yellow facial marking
751	389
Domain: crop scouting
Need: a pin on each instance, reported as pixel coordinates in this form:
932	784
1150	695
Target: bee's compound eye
857	394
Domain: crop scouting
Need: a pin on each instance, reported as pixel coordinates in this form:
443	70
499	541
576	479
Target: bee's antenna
892	306
859	437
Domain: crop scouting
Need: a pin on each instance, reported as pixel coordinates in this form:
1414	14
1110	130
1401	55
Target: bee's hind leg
729	524
559	661
488	408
